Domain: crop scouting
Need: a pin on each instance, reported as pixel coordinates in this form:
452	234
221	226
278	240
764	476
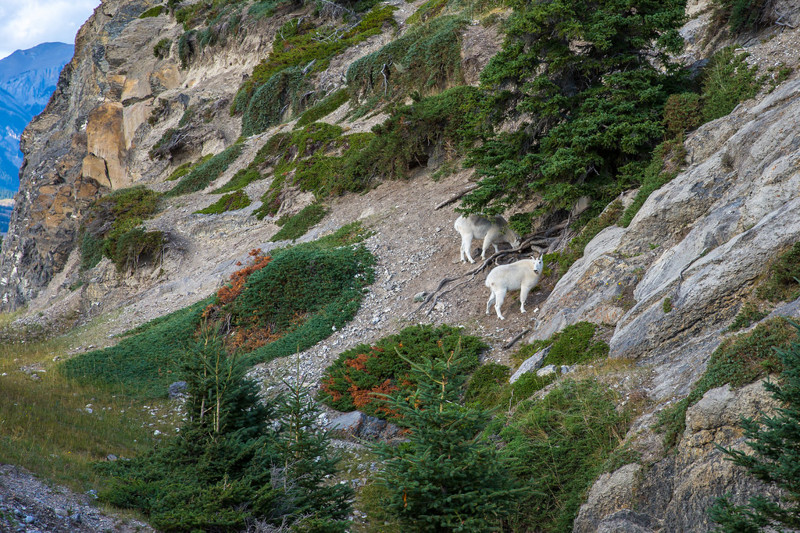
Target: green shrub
427	11
743	15
324	107
91	251
359	375
783	283
161	48
666	305
585	111
448	123
747	315
448	476
112	227
134	246
280	94
187	47
309	287
682	113
229	202
297	225
727	80
575	344
206	172
774	442
489	387
325	163
312	290
486	384
739	360
522	389
426	58
560	445
153	12
300	45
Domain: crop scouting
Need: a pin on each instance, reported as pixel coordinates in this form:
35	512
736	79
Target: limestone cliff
666	287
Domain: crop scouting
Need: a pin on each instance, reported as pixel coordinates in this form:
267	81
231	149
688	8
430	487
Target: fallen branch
513	341
458	196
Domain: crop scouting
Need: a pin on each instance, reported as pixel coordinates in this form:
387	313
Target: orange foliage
363	397
326	386
228	293
359	362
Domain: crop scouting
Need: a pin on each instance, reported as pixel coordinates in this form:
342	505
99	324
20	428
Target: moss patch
229	202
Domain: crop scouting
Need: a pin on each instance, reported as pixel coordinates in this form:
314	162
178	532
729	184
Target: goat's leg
500	296
491	299
466	242
523	295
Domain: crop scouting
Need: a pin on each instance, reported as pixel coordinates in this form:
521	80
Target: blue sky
26	23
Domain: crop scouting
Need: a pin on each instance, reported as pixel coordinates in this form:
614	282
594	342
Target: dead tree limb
458	196
513	341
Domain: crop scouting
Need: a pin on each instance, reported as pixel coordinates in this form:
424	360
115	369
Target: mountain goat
492	231
522	275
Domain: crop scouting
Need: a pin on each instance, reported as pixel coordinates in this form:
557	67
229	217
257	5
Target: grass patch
295	226
747	315
57	428
318	159
229	202
153	12
324	107
361	374
560	445
727	80
206	172
738	361
144	364
575	344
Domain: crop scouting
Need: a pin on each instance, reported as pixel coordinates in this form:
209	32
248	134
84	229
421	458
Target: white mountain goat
492	231
522	275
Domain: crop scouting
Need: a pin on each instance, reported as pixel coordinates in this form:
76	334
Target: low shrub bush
206	172
360	375
560	445
297	225
229	202
783	281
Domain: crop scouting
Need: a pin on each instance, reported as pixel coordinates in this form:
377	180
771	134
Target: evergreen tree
236	461
448	476
307	461
585	77
775	444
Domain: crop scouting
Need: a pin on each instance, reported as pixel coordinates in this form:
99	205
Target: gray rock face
674	493
530	364
361	426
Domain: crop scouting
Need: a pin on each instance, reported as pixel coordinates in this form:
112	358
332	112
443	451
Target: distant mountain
27	79
30	76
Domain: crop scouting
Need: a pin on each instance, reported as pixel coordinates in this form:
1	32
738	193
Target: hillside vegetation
265	214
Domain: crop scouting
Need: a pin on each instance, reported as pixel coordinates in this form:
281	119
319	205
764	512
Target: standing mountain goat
492	231
522	275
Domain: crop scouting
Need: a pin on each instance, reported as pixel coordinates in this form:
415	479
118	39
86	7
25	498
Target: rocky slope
703	241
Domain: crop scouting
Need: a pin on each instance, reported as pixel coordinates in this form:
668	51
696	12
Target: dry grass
45	421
